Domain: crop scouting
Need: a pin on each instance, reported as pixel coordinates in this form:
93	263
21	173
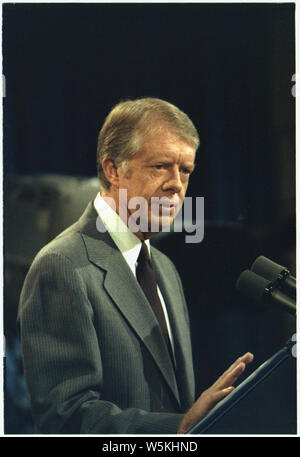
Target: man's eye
159	166
186	171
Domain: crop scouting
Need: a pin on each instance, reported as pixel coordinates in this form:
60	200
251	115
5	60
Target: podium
264	403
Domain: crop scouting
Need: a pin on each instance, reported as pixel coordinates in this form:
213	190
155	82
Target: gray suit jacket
94	357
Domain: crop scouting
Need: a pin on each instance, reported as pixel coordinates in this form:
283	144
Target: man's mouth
165	205
166	202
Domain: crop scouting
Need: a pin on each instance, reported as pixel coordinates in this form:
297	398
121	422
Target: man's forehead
167	155
166	142
164	135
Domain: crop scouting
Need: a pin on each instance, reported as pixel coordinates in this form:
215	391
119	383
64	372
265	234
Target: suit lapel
180	329
131	301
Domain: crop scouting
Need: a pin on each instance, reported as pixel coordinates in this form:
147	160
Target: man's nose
173	182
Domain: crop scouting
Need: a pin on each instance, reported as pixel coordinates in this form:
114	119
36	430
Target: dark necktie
146	277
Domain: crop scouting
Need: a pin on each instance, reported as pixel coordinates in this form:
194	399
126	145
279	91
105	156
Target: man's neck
120	206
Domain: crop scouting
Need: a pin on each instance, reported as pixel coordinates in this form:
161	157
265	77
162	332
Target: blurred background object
36	209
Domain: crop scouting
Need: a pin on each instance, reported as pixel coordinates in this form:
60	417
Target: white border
2	343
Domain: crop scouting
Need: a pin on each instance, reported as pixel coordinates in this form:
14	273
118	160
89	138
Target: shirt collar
127	242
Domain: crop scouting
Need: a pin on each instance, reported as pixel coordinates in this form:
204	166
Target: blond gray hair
130	121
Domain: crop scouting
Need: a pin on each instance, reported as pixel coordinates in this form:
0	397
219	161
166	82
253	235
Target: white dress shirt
127	242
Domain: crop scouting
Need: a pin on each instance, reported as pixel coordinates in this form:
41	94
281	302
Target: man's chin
161	224
151	224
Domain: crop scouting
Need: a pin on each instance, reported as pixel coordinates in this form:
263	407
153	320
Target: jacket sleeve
62	358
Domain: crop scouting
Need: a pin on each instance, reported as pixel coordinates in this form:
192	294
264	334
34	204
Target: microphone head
268	269
254	287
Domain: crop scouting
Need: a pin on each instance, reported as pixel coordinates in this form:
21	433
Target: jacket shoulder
67	244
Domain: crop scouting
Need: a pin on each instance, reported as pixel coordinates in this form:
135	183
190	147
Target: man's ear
111	171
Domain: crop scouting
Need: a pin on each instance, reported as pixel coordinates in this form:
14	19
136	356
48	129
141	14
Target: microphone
277	274
263	292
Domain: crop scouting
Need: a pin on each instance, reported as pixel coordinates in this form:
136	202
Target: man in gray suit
97	357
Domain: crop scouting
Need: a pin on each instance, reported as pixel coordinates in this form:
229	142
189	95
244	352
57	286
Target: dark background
230	67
